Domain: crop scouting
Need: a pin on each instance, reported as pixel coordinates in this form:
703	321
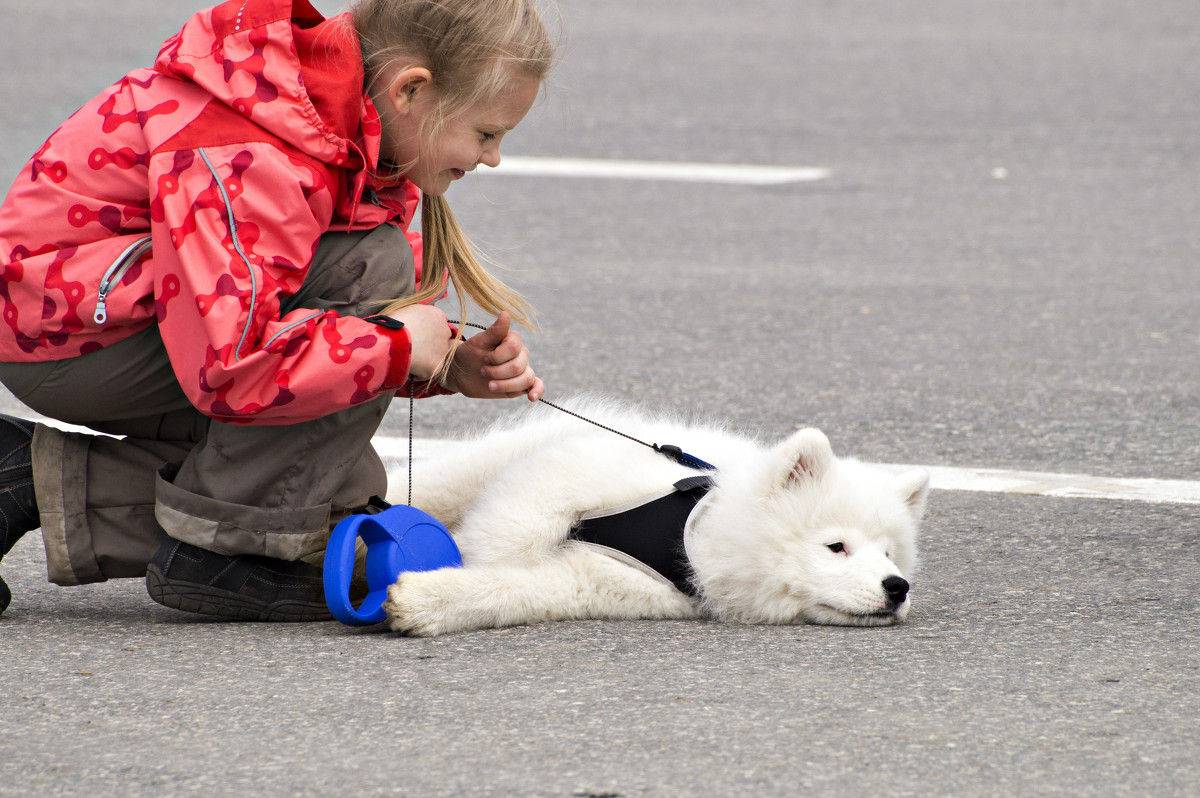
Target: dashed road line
1068	486
601	168
394	452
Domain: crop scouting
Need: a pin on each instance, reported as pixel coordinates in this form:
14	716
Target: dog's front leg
573	583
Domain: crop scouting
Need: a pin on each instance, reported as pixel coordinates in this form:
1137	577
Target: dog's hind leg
574	583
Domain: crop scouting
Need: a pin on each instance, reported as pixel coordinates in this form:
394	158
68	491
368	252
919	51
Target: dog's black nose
896	588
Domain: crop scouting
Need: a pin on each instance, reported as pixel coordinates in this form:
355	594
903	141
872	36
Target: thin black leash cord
673	452
666	449
412	396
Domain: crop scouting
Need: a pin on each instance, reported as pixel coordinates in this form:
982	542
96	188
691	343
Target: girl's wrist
445	381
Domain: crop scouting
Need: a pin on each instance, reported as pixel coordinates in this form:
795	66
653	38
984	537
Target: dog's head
804	537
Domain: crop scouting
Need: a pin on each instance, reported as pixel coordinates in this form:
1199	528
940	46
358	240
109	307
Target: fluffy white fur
763	545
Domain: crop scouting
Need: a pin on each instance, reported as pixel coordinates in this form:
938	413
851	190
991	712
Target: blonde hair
475	50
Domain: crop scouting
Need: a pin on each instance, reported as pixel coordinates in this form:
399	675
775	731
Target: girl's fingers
508	369
525	382
495	335
510	347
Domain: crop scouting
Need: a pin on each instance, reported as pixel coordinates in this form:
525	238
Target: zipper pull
116	272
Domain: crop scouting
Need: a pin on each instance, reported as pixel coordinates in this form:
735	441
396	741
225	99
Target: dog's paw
417	605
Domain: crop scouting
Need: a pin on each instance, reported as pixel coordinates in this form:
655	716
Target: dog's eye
837	548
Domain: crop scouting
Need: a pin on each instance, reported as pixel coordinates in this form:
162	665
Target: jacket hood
285	67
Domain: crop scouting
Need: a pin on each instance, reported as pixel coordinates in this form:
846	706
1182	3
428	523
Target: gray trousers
273	490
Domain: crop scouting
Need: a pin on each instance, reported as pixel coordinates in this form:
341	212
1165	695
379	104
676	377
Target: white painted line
394	452
60	425
396	449
1070	486
745	174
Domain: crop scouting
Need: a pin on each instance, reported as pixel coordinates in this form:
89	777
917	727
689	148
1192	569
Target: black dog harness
650	530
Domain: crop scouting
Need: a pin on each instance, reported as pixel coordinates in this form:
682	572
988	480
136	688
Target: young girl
211	260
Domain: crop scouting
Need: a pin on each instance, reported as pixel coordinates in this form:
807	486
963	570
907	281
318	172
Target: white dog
786	534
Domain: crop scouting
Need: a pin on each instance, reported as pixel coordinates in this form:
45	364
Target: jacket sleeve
235	227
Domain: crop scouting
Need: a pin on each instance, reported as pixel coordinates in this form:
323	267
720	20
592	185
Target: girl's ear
406	85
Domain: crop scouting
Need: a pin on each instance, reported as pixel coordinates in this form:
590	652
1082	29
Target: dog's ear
803	458
913	488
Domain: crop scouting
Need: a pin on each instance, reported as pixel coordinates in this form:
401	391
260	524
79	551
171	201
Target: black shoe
244	586
18	504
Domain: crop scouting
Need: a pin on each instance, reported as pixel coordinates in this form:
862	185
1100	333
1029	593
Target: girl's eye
837	548
487	136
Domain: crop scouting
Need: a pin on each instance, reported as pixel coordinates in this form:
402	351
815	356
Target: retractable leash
398	538
402	538
673	452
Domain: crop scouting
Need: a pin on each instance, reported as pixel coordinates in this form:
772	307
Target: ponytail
449	258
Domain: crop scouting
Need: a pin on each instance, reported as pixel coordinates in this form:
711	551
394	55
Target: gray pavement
1000	273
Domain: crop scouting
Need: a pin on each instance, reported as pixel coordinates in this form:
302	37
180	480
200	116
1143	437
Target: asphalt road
1000	272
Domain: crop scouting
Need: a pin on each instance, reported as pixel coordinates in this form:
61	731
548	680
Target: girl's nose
490	157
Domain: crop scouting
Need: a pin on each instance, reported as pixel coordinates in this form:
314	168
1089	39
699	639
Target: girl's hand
431	336
494	365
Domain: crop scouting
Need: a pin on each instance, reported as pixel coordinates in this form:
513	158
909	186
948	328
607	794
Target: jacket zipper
237	247
113	275
292	326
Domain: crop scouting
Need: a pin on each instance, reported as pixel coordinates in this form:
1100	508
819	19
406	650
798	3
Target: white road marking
1068	486
745	174
394	452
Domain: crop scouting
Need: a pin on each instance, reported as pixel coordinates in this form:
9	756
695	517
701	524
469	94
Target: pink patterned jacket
192	195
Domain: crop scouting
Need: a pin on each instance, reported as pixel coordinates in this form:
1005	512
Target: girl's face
433	162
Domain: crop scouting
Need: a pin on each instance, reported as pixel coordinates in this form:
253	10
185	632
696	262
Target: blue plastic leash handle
399	539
